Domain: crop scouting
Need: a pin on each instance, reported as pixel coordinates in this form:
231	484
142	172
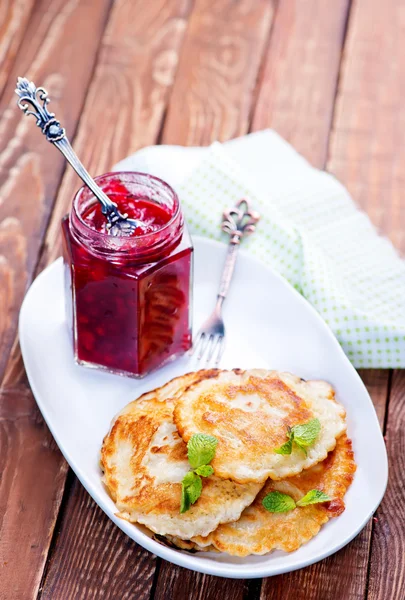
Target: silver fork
238	222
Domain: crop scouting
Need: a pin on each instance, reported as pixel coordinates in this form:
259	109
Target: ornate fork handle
238	222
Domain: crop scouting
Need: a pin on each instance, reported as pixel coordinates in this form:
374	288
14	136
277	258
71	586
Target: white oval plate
268	325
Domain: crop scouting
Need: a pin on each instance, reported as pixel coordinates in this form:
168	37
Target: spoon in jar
118	224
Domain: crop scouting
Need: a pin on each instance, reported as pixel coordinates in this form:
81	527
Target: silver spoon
118	224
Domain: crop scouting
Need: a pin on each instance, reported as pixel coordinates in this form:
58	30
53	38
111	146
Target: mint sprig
276	502
313	497
302	436
200	451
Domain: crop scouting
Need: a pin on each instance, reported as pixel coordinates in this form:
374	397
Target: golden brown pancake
144	461
259	531
249	412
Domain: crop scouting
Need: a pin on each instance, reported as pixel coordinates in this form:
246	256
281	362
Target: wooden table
329	76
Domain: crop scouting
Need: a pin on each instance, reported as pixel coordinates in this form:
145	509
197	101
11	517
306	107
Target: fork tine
213	347
221	347
210	347
196	343
204	343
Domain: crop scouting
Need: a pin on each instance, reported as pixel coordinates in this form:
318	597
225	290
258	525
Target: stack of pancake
144	459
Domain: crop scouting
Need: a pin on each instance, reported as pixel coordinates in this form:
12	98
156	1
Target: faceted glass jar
128	299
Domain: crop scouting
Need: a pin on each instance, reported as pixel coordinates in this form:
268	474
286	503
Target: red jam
151	216
128	298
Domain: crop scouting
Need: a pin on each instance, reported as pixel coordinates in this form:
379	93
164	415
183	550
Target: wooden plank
175	583
296	98
123	111
387	567
219	65
368	139
343	575
58	49
299	79
99	560
367	153
31	486
14	16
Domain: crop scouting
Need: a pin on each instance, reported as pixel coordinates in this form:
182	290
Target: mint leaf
189	479
276	502
191	488
301	447
306	433
185	502
205	470
194	490
313	497
285	448
201	449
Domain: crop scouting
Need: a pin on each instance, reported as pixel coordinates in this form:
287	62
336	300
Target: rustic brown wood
387	567
299	79
97	559
31	485
296	98
136	67
14	16
214	92
175	583
367	154
58	49
219	64
368	139
59	52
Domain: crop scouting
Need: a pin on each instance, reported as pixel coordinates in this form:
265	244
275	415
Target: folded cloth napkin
310	231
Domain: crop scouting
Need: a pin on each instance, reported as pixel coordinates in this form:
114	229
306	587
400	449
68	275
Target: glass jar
128	299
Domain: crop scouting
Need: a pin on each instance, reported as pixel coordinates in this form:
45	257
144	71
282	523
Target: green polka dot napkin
310	231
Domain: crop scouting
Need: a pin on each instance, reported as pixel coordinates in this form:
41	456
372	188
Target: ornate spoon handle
240	221
64	146
30	97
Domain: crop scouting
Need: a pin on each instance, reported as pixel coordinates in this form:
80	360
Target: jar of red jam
128	299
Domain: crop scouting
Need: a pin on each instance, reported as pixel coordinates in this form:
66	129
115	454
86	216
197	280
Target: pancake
249	412
187	545
144	461
259	531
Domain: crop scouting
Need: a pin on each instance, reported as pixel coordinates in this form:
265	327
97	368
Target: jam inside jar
128	299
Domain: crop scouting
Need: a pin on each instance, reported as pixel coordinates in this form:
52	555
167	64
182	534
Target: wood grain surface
219	64
136	68
368	155
58	49
92	558
14	16
300	76
368	137
32	471
329	77
387	568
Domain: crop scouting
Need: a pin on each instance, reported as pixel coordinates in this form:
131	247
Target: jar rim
144	236
131	248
